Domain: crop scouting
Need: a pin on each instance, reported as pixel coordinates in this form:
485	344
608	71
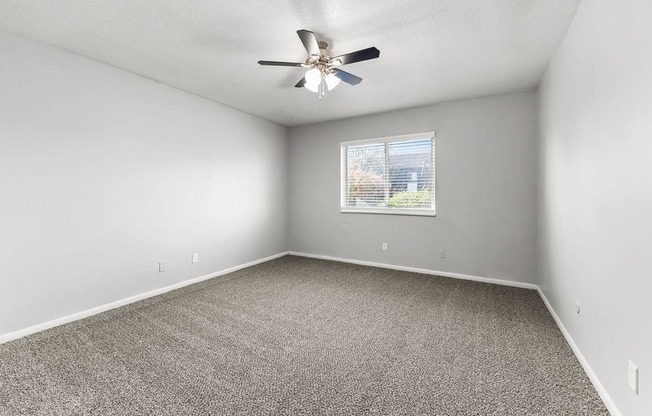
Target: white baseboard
126	301
609	404
602	392
422	271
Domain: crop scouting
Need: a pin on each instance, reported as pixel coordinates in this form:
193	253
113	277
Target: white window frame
431	212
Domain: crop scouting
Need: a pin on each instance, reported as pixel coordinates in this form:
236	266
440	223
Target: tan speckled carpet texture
297	336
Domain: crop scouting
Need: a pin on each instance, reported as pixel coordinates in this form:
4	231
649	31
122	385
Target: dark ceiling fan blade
357	56
346	77
309	42
301	83
276	63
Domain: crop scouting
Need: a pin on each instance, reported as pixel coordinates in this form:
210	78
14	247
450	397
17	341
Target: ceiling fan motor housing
322	63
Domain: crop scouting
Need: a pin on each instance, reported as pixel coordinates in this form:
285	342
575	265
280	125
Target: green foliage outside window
411	199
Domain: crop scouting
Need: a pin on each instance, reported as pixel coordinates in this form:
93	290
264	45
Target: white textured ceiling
430	50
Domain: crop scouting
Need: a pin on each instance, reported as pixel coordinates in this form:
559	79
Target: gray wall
104	173
485	190
596	192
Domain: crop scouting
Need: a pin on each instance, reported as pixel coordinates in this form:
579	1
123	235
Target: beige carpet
297	336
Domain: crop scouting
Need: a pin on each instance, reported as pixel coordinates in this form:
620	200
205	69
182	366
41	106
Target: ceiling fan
324	73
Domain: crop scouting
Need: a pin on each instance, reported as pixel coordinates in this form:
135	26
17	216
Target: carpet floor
298	336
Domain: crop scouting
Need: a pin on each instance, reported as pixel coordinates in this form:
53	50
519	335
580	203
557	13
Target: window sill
390	211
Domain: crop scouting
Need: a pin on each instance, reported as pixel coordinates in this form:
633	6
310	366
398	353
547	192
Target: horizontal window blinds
388	175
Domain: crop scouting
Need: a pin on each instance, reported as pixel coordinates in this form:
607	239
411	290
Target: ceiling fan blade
276	63
301	83
346	77
309	42
357	56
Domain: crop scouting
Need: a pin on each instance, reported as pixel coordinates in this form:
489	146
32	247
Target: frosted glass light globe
332	81
312	87
313	77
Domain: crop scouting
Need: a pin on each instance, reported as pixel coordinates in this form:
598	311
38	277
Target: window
391	175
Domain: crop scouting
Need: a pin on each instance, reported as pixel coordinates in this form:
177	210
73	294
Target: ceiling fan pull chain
322	87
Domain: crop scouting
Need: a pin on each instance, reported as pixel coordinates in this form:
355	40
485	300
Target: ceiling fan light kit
323	74
319	81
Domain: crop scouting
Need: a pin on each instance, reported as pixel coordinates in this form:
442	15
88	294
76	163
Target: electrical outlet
633	377
384	246
577	307
162	266
442	253
195	257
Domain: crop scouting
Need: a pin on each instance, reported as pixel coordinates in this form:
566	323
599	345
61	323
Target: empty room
426	207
